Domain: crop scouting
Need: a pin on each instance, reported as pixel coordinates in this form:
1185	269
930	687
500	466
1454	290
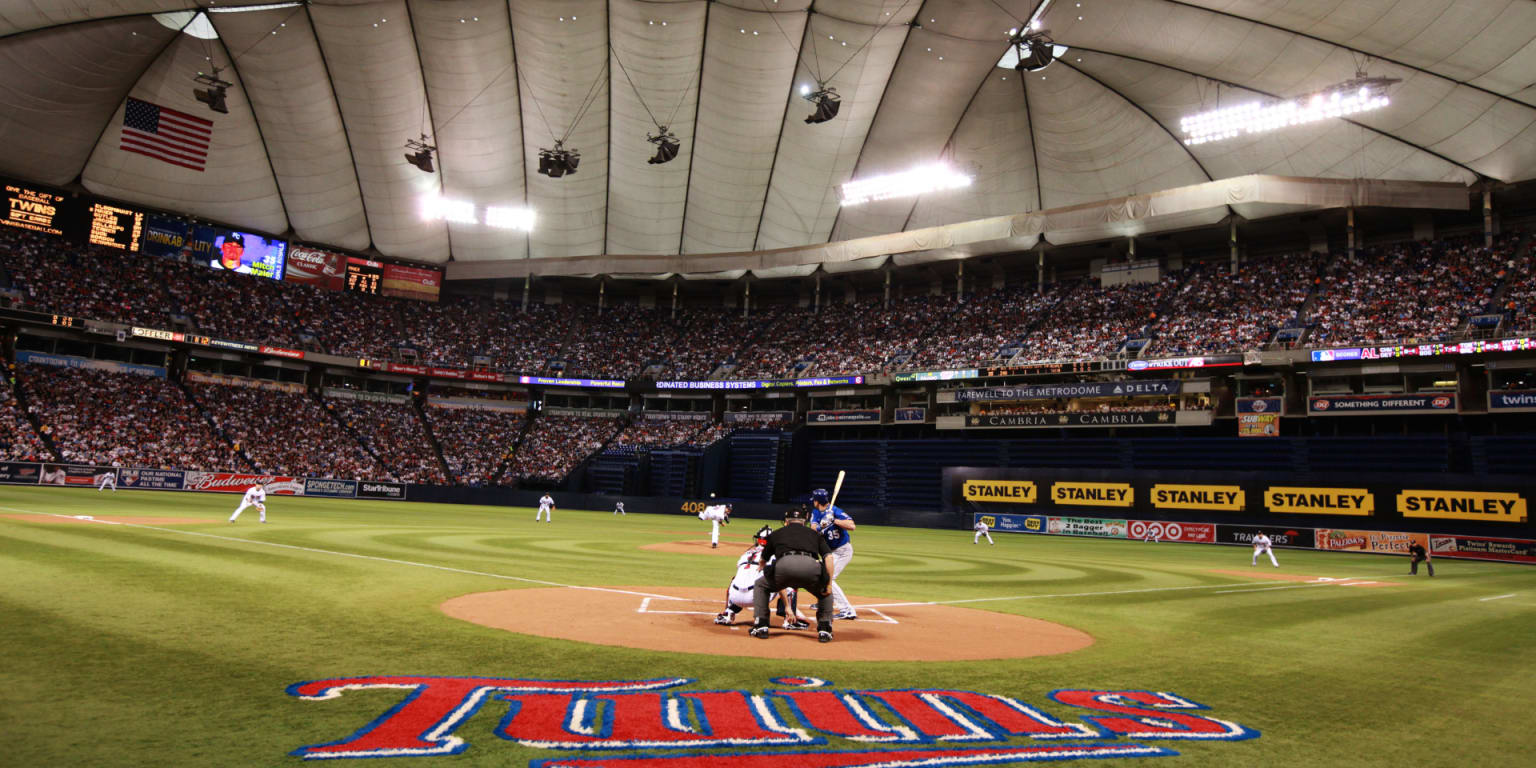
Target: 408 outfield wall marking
604	720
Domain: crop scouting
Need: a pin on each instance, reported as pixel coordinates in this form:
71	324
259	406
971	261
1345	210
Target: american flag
166	135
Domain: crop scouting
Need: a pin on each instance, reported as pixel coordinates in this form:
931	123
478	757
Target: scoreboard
38	210
364	275
114	226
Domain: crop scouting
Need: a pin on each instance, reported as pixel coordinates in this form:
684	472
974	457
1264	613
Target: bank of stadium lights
420	154
1361	94
214	95
666	143
559	161
921	180
439	208
826	100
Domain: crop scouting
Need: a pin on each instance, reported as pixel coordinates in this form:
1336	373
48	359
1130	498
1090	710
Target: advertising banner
1076	389
1381	542
1159	418
336	489
152	479
236	482
1346	405
1258	425
1087	526
676	416
863	416
421	283
1014	523
291	354
241	381
1462	505
1260	405
1093	494
1000	491
1512	400
1484	548
69	361
1280	536
1295	500
911	415
165	236
757	417
372	489
315	266
1220	498
19	473
904	378
71	474
1162	530
372	397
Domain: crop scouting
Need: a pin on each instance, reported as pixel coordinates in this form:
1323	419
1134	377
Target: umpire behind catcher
796	557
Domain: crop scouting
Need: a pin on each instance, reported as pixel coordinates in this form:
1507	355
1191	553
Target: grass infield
155	646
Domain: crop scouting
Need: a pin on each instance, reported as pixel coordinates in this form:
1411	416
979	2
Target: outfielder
108	479
749	567
1261	544
834	525
982	530
715	514
618	509
255	497
546	507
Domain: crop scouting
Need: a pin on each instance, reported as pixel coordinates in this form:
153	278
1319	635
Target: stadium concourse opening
681	619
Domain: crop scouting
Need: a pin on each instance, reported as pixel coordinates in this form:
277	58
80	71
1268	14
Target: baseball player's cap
821	496
798	512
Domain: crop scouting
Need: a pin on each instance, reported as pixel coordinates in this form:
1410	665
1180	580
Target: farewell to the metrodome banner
1080	389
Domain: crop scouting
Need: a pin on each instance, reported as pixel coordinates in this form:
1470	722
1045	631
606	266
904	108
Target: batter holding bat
835	526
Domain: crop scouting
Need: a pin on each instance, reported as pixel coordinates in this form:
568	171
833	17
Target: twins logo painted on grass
916	727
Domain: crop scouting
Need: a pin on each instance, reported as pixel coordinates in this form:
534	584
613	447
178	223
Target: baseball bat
838	486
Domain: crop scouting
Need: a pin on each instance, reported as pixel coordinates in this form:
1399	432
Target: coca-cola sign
234	482
313	266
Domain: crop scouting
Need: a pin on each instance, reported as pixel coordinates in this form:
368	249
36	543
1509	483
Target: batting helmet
820	496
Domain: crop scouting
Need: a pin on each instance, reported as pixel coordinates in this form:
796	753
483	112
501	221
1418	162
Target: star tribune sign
635	723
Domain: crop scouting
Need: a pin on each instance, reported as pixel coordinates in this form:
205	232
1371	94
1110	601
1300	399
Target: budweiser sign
233	482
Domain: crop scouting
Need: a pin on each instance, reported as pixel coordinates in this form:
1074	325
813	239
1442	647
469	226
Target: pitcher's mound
682	619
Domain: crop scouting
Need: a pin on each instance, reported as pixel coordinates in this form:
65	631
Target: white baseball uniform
982	530
255	497
546	506
749	567
714	513
1261	544
108	478
618	509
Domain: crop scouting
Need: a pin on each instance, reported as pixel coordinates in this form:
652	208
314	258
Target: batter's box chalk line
645	607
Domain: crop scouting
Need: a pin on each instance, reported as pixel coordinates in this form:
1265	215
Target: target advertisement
1163	530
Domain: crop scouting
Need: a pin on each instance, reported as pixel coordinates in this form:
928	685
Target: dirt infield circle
681	619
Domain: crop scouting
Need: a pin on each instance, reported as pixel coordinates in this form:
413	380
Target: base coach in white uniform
797	556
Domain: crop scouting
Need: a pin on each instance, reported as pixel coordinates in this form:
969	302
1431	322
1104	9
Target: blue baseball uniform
841	542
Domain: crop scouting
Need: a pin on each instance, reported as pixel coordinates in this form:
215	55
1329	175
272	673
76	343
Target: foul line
450	569
1499	597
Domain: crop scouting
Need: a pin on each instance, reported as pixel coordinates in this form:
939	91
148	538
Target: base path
681	619
66	519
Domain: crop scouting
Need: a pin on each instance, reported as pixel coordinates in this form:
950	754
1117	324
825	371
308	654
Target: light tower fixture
559	161
827	103
1361	94
921	180
213	95
420	154
1032	47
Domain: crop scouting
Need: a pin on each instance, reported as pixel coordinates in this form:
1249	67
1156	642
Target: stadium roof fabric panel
370	52
300	123
236	184
468	61
61	87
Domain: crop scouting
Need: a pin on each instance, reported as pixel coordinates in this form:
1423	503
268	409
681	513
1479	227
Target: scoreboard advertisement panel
364	275
34	208
113	226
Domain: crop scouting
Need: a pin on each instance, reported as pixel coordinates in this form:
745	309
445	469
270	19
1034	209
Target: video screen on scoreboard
35	209
114	226
364	275
246	253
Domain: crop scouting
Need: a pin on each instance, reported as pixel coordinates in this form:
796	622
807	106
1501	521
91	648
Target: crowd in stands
662	433
1408	291
106	418
18	438
395	435
554	445
1420	290
475	441
285	433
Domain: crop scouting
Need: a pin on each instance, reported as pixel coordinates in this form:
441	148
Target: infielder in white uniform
618	509
1261	544
982	530
716	514
546	507
749	568
255	497
108	479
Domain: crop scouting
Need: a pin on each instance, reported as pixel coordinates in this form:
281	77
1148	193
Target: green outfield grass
153	646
